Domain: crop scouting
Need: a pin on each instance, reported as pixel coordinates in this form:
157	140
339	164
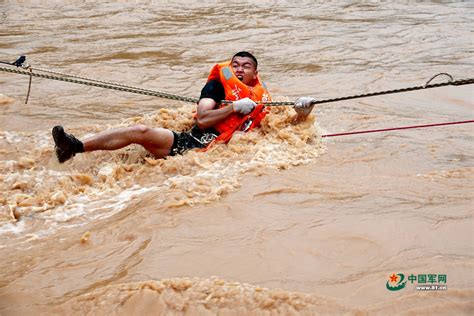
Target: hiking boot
66	144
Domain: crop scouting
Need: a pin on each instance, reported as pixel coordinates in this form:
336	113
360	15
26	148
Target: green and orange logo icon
396	282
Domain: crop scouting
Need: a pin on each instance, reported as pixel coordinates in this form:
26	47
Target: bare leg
158	141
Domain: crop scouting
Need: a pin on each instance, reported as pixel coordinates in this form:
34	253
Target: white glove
244	106
304	105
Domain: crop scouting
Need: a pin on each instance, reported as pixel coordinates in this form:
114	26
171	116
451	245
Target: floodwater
279	221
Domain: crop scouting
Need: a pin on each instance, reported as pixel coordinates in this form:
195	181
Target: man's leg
157	141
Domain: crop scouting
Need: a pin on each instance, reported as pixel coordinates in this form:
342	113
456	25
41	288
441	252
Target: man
236	81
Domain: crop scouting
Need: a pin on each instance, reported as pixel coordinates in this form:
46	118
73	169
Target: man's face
244	69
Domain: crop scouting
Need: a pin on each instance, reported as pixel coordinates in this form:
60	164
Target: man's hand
304	105
244	106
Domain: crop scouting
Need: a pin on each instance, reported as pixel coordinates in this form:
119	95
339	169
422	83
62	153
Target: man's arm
208	115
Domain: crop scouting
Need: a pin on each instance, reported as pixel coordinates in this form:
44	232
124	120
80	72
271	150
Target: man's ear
255	74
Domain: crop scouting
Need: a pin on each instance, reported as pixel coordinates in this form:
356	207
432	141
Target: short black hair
246	54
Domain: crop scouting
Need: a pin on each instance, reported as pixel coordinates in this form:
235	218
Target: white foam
13	138
59	217
97	203
12	228
43	139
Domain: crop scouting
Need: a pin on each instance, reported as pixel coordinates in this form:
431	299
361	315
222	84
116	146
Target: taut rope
54	75
397	128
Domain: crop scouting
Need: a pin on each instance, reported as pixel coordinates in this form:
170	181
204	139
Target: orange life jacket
235	90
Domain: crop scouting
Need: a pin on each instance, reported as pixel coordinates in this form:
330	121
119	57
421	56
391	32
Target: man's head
244	66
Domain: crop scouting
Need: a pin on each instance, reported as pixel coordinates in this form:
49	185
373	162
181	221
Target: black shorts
195	138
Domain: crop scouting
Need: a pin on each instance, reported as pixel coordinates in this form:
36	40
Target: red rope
397	128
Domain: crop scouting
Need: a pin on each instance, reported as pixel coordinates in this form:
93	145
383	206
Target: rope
29	88
126	88
91	79
101	84
396	128
440	74
458	82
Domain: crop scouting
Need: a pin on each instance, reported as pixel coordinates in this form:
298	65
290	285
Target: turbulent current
281	220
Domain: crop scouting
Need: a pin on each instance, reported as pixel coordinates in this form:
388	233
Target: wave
99	184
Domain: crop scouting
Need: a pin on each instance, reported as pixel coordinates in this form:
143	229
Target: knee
139	131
